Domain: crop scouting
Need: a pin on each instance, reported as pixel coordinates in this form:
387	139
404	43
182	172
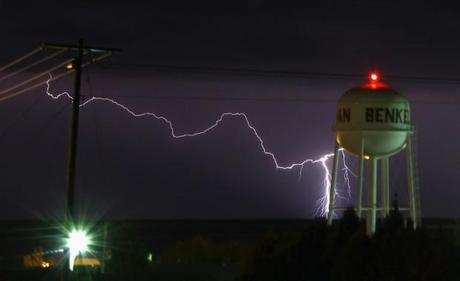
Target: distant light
374	77
45	264
367	157
77	242
149	257
69	66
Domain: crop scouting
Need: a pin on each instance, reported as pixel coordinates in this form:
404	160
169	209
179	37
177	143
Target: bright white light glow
77	242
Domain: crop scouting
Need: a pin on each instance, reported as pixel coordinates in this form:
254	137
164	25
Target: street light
77	242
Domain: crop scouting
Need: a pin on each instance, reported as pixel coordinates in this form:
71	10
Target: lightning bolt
323	202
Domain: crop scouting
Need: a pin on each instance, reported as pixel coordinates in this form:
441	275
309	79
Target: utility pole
72	160
77	65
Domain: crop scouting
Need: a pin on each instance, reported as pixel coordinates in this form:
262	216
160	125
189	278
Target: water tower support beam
385	181
359	190
410	181
330	213
372	198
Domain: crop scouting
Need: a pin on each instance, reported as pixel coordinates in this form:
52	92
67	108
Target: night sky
132	168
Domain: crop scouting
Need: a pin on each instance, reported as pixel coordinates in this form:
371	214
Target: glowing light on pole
322	202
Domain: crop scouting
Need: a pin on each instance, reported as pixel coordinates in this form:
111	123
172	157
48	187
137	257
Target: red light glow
374	82
374	77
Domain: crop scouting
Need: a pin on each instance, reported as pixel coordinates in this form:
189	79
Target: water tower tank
372	119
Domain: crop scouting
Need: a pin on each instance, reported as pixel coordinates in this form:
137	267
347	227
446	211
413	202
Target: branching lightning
323	202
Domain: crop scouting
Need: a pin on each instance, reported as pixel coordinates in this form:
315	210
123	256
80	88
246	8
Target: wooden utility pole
72	160
78	63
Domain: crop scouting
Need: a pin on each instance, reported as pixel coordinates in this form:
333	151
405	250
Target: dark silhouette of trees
343	252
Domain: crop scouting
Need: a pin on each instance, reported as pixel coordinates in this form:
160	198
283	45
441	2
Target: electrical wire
296	99
247	71
36	76
199	69
7	97
33	64
21	58
271	73
55	77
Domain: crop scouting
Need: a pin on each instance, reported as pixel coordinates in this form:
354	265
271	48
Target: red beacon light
374	77
374	82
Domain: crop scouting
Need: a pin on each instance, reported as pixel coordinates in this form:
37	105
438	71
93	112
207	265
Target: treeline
312	251
343	252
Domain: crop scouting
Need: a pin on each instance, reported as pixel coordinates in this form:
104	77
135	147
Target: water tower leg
359	190
385	181
330	213
372	198
410	181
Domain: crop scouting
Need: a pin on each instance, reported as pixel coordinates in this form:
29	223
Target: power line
53	78
200	69
61	65
273	72
29	66
35	85
256	99
18	60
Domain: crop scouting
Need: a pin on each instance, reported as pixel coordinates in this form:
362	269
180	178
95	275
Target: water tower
373	124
